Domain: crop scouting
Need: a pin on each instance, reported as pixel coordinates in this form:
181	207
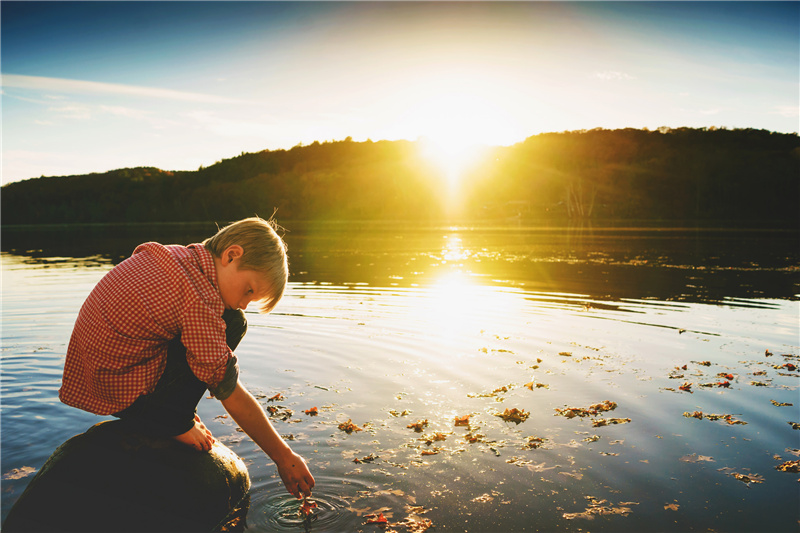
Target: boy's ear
231	253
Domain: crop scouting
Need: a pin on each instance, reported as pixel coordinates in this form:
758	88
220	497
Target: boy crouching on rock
159	329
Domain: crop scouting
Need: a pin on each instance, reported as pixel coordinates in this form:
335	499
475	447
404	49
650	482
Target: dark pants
170	409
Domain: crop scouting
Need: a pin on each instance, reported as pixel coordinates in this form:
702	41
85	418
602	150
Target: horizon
99	86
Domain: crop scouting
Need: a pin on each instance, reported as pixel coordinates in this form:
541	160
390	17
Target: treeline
666	175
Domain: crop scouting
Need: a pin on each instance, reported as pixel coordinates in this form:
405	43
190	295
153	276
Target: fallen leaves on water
367	459
472	438
565	354
694	458
712	416
781	404
312	412
405	412
494	393
747	479
348	427
279	412
729	377
376	519
597	508
795	425
592	410
704	363
436	437
419	425
789	466
514	415
687	386
462	420
608	421
307	507
19	473
535	442
532	384
671	507
277	398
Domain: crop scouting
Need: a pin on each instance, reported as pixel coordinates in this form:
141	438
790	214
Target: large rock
110	479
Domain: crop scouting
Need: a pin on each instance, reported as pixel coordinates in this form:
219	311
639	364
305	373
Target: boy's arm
246	411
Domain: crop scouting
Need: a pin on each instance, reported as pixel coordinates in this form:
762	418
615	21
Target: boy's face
238	287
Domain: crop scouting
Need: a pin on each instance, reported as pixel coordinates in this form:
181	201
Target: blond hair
264	252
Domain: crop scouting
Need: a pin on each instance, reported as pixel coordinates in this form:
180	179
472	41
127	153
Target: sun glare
455	122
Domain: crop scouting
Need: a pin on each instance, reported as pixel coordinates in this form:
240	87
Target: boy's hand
246	411
295	475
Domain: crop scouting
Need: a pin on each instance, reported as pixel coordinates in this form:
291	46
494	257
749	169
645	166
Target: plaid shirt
118	348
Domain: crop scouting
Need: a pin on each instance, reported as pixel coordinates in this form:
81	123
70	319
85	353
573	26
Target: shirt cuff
229	381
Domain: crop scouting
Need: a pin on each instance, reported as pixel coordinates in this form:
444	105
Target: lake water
389	326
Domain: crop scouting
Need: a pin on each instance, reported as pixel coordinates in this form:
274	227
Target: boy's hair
264	252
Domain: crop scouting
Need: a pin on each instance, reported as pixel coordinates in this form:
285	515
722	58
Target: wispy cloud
60	85
613	75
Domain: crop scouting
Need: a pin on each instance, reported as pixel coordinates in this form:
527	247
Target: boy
159	329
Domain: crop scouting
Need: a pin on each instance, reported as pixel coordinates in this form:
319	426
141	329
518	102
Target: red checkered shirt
118	348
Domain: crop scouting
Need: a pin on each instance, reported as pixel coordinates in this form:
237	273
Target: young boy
159	329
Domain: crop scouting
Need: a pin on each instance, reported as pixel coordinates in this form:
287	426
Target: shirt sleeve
207	352
228	383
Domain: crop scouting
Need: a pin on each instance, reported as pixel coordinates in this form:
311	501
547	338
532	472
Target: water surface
388	326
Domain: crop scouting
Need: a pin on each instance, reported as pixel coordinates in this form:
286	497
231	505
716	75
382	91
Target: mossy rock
112	479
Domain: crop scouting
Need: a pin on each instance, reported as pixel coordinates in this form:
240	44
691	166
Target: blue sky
89	87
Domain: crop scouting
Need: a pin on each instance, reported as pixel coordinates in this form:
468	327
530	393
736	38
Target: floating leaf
419	425
671	507
606	421
789	466
592	410
376	519
308	506
312	412
514	415
19	473
565	354
462	420
687	386
368	459
694	458
745	478
780	404
348	427
535	442
277	398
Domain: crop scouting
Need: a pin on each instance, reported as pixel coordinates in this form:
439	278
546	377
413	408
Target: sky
95	86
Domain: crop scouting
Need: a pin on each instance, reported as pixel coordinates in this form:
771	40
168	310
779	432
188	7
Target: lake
614	379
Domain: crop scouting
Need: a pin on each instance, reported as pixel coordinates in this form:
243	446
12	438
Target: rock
111	479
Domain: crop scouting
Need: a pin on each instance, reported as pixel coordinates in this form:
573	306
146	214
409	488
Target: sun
455	127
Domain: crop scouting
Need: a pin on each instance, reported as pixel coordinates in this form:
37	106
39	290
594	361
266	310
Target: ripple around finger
341	505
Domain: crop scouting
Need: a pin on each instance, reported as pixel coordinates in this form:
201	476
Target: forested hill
667	175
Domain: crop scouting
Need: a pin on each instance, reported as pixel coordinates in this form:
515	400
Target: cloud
613	75
791	111
60	85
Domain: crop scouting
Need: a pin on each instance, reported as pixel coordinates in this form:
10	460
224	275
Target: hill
680	174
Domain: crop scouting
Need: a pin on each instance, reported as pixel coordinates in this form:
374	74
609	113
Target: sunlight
454	121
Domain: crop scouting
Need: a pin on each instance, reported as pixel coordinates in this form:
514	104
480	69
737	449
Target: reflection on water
389	328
